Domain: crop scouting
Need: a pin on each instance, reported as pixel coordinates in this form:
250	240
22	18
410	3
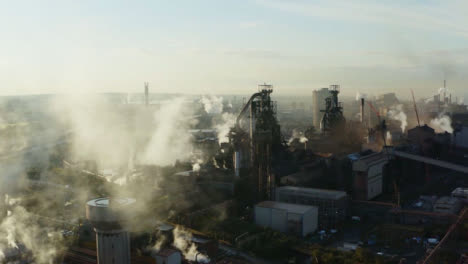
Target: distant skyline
228	47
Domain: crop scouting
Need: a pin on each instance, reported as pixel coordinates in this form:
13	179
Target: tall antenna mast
146	93
415	108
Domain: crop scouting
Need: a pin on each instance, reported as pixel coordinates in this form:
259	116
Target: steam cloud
360	95
442	123
396	113
297	135
388	138
111	134
223	128
212	104
182	241
19	229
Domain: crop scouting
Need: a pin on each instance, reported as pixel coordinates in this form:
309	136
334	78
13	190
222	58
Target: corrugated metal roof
291	208
319	193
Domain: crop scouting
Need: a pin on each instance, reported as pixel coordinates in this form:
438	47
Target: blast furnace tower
333	118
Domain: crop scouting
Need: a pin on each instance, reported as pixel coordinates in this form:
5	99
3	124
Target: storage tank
107	215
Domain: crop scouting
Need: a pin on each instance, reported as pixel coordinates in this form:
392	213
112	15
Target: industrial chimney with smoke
112	240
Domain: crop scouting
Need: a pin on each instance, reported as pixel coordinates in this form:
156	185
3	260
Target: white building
294	219
332	204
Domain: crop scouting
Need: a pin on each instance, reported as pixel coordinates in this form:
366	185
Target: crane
415	108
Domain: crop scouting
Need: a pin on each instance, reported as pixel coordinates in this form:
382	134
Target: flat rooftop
460	190
446	200
291	208
319	193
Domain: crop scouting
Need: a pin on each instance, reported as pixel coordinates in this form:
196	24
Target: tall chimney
445	99
362	110
146	93
450	98
438	104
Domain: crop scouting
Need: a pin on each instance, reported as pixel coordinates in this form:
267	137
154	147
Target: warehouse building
332	205
294	219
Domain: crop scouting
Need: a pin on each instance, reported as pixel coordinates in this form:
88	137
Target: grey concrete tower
112	240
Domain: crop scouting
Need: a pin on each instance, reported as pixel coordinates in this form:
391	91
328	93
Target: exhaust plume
442	123
396	113
228	120
212	104
360	95
183	242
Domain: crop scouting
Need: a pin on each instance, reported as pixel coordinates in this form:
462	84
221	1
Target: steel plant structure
333	113
256	142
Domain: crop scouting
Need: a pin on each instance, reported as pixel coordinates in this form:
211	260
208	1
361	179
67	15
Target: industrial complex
258	179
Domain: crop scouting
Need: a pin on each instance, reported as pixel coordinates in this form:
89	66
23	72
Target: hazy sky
223	46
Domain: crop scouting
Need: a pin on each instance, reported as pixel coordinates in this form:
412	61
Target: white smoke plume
19	232
388	138
360	95
196	166
396	113
113	134
297	135
170	140
443	89
183	242
212	104
228	120
442	123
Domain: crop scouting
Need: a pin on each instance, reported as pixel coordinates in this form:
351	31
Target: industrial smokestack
445	99
450	98
438	104
146	93
362	110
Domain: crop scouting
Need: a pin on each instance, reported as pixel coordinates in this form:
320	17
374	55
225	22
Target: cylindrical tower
112	240
362	110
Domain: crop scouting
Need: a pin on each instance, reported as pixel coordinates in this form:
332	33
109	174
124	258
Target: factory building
112	241
460	137
318	103
421	134
368	175
332	204
448	205
168	256
295	219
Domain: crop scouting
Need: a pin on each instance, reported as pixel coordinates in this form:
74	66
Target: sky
230	46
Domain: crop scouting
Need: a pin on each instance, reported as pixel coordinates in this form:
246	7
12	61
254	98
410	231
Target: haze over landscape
228	47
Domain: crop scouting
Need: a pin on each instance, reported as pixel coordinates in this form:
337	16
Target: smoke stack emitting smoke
396	113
